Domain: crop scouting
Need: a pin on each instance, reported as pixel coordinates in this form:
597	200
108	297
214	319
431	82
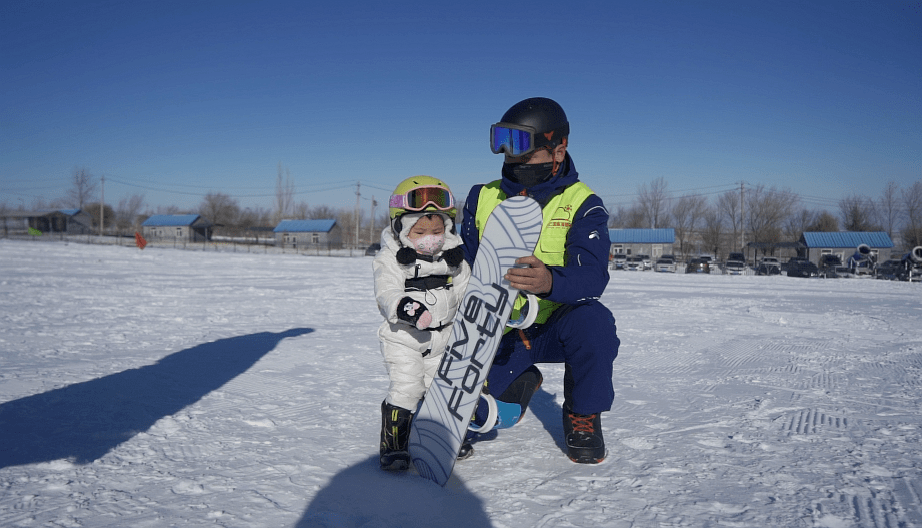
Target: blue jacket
585	274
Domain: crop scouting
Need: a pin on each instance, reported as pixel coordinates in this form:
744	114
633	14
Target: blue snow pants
584	337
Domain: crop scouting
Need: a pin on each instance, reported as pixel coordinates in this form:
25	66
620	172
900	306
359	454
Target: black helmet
544	115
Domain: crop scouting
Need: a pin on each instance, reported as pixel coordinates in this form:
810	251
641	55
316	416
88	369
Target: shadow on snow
84	421
364	495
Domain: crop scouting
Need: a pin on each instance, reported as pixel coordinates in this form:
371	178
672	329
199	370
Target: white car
647	261
618	260
665	265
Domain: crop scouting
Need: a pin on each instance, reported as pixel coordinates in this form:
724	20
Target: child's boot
395	435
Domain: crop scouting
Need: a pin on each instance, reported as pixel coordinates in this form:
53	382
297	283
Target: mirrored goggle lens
438	196
513	141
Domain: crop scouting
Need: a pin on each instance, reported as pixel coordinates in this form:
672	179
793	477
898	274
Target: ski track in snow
186	388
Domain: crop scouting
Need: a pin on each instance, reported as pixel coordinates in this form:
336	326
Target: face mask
429	244
528	175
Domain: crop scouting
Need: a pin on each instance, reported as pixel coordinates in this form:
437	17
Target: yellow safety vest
551	248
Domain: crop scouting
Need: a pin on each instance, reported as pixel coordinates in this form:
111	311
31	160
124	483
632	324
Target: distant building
845	244
653	242
303	234
64	221
184	227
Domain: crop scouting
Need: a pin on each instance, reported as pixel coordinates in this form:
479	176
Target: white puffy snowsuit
411	355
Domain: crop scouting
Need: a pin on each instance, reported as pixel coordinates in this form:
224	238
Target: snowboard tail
440	424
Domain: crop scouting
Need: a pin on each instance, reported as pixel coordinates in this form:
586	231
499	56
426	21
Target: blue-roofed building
57	221
652	242
845	244
304	234
178	227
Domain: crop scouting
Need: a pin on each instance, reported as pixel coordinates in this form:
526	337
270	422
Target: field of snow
182	388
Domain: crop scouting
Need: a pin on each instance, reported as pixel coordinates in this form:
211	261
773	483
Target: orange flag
139	240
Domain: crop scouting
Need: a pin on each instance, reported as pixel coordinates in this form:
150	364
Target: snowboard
439	426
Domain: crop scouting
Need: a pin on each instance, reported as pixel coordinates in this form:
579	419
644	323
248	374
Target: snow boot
395	435
585	444
513	402
467	447
520	392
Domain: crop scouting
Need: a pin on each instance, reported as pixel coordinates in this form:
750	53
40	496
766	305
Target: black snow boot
585	444
523	388
395	435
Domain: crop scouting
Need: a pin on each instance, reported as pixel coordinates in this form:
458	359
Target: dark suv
801	267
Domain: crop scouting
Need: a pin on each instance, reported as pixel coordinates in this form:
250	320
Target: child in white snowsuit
420	278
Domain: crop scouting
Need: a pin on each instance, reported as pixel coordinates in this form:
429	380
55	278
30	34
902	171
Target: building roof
847	239
42	212
171	220
642	236
305	226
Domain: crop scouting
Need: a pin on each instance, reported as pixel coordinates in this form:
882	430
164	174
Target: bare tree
325	212
627	218
888	207
220	209
728	205
654	202
714	230
301	211
83	187
284	194
825	222
686	215
93	210
858	213
126	214
912	206
766	213
798	223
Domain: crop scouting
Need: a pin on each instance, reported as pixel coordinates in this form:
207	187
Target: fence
222	246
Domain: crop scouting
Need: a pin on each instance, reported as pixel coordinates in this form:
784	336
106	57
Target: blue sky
173	100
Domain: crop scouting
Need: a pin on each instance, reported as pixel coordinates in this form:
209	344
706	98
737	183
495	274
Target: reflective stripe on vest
551	247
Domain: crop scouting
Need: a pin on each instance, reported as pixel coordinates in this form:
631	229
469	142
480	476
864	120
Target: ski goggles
421	197
514	140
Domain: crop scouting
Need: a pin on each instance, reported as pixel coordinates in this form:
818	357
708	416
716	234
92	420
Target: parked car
698	265
665	264
647	262
890	269
372	250
735	264
828	265
769	266
634	263
801	267
618	260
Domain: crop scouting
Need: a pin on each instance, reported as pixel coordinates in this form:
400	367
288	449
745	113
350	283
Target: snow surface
184	388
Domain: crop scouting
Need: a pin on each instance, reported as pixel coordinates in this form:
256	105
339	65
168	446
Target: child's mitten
414	313
453	256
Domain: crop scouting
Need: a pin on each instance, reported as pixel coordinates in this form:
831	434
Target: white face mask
429	244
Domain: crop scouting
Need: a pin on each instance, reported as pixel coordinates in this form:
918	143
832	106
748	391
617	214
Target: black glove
414	313
406	255
453	256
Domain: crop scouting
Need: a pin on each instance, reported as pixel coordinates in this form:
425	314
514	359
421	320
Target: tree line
763	216
766	217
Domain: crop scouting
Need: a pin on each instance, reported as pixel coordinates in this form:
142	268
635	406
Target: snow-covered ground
183	388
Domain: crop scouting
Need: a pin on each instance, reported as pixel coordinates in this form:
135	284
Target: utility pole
371	229
102	205
358	194
742	229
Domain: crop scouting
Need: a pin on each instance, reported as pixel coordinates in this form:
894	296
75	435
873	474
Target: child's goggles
421	197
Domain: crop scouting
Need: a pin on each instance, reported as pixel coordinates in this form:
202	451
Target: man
568	272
